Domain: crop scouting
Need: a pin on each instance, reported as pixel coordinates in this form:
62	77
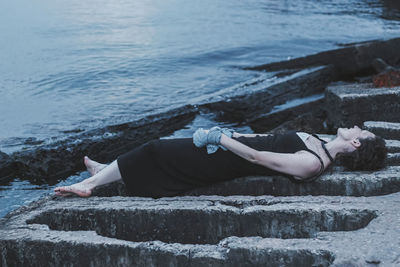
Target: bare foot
80	189
92	166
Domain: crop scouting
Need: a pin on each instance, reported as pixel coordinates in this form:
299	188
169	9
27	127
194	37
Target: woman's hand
203	137
200	137
211	138
214	136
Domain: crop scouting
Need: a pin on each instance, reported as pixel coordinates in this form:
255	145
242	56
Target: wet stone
354	59
6	166
253	104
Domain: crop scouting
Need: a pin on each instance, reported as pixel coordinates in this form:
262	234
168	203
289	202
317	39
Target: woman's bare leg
92	166
107	175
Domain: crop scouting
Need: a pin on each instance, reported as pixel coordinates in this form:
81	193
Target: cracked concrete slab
329	227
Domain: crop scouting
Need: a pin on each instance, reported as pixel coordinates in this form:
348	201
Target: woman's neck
335	147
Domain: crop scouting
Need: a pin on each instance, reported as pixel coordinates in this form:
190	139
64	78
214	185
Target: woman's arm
235	134
301	164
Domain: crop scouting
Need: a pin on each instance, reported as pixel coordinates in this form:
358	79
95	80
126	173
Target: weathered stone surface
287	112
393	159
387	79
352	104
387	76
310	122
349	61
387	130
200	222
251	105
380	65
336	183
32	236
393	146
6	167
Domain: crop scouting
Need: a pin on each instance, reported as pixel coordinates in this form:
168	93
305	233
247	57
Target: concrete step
200	222
86	248
387	130
393	159
198	231
352	104
332	183
335	182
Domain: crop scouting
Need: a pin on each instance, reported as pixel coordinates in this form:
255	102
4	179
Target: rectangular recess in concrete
206	225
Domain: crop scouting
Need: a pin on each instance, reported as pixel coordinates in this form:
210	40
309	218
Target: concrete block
349	61
250	105
286	112
387	130
353	104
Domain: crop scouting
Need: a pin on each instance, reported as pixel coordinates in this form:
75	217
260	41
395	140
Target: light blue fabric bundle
211	139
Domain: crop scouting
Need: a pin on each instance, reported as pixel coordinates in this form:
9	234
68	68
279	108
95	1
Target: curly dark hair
370	155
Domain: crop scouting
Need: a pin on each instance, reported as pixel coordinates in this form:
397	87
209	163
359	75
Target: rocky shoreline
251	221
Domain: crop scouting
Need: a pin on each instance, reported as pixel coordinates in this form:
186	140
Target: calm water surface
73	64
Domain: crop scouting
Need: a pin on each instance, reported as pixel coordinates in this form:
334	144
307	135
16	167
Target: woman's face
354	133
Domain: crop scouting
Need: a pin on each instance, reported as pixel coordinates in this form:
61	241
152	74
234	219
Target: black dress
169	167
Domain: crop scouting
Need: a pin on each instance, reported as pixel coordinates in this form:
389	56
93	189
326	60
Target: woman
169	167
